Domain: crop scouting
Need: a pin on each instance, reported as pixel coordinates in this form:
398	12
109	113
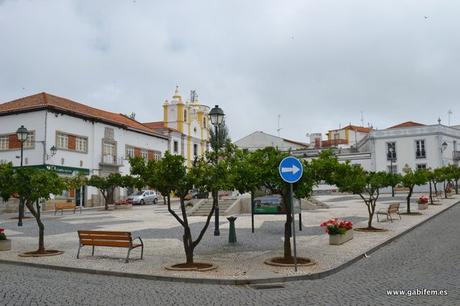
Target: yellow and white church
186	125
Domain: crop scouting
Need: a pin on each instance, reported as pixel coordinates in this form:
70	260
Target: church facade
186	124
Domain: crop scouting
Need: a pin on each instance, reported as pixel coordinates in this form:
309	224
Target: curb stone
248	281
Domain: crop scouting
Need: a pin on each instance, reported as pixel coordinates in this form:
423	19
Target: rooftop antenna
362	119
279	128
449	113
193	96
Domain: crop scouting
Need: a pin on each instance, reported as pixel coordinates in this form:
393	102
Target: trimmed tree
354	179
176	178
267	161
32	185
411	179
107	185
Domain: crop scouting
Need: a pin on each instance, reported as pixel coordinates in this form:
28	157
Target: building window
185	116
129	152
4	143
81	144
421	166
420	149
176	146
195	149
392	170
157	155
108	133
108	149
145	154
62	141
391	150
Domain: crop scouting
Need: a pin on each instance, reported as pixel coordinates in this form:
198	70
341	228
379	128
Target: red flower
2	230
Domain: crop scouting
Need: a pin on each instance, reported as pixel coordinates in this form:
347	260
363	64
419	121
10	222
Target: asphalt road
426	259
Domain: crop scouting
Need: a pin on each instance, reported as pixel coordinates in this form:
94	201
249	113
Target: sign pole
291	196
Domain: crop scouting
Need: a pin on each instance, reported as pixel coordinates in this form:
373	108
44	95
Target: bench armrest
138	237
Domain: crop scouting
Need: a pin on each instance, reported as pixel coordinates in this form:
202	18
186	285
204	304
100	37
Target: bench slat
124	244
104	232
105	237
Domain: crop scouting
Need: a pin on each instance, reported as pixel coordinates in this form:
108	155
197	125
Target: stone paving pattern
426	258
162	236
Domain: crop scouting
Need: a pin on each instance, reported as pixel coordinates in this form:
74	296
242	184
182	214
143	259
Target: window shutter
14	142
72	141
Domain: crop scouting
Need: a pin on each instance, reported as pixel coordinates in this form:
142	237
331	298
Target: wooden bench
392	209
62	206
109	239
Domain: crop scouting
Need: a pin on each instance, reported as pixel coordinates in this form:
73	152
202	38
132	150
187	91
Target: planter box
5	245
422	206
340	239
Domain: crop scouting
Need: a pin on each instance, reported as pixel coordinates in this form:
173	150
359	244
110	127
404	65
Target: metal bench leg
391	219
142	252
78	253
127	257
92	254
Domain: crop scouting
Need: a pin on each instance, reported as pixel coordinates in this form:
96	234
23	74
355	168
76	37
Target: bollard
232	231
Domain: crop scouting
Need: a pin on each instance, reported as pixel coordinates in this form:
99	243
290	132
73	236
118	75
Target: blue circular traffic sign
290	169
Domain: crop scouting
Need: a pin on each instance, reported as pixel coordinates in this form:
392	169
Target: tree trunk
445	190
431	194
435	183
287	228
41	227
456	186
408	199
187	238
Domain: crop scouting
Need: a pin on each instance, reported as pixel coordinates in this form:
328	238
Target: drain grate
267	286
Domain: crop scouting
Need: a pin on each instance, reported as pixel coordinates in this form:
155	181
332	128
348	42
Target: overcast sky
318	64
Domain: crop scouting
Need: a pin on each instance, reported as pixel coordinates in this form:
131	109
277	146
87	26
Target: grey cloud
317	63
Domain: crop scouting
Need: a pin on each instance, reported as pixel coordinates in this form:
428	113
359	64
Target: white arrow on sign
294	169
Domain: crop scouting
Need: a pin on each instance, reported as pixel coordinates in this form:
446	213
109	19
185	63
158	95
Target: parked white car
143	197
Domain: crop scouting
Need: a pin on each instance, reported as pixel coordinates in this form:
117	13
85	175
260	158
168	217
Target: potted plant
5	244
422	202
340	231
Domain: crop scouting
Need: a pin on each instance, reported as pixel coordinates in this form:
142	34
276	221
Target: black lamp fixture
22	133
53	150
443	146
217	116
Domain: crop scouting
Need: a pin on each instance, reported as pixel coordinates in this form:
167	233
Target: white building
413	145
88	140
260	140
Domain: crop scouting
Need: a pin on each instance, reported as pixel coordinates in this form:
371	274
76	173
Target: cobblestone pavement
426	258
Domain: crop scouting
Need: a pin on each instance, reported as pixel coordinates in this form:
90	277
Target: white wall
31	121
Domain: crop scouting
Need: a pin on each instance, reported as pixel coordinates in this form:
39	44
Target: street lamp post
22	133
391	150
216	115
443	148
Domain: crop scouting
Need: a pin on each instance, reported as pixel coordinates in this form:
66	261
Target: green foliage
325	167
219	140
412	178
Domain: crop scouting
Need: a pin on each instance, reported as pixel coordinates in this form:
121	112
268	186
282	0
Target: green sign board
61	169
272	205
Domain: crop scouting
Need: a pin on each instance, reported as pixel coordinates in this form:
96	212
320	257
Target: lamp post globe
216	115
22	134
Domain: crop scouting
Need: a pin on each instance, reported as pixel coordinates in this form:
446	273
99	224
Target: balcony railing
456	155
111	160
